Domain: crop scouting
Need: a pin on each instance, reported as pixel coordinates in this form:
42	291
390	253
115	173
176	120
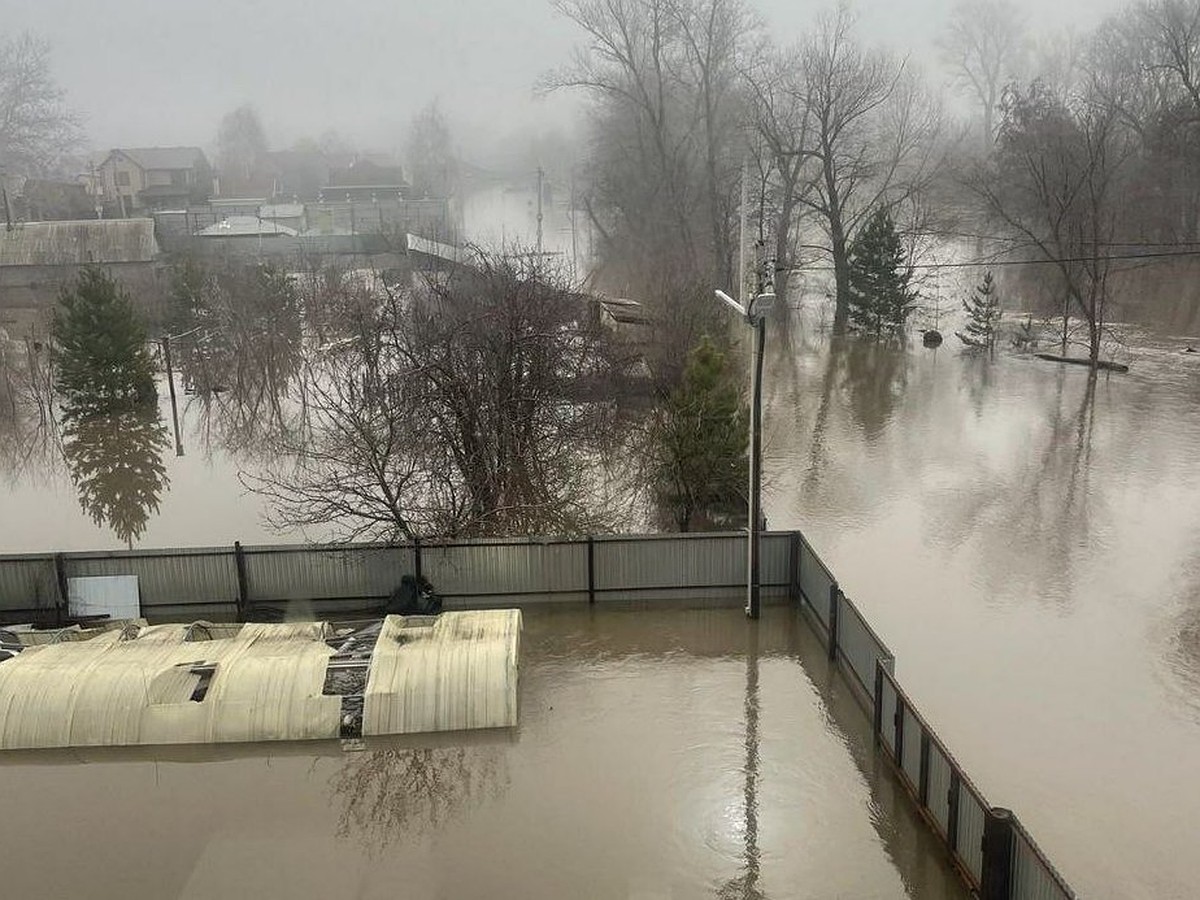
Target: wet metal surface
660	753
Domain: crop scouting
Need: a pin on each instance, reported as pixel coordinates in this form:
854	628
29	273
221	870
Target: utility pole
541	175
166	345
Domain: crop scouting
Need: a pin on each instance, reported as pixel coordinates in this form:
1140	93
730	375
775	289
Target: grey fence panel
676	563
887	732
533	569
815	583
322	573
911	763
970	830
858	646
27	584
177	579
775	560
1032	876
939	787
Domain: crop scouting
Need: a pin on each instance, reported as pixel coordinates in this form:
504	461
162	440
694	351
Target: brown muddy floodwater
1027	541
660	753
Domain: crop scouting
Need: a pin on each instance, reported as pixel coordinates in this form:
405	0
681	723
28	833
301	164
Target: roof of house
365	173
79	243
162	157
240	226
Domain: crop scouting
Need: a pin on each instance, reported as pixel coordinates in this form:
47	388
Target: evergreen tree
699	445
880	295
983	312
103	364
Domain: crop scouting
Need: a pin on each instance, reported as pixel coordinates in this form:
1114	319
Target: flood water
1028	543
1026	539
660	753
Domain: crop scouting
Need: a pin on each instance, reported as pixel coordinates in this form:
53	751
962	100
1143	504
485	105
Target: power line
998	263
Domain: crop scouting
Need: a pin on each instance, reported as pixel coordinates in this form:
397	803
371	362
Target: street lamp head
760	306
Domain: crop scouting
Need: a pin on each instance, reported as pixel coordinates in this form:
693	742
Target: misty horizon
150	74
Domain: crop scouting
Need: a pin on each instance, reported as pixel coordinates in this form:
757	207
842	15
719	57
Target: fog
149	73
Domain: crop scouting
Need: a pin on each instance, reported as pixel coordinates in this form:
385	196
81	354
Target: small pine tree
699	445
881	298
983	312
103	364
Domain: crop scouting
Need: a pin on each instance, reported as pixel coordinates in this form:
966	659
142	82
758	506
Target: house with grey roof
136	180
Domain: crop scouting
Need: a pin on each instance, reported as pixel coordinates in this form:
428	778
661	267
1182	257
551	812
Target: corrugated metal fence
337	581
989	846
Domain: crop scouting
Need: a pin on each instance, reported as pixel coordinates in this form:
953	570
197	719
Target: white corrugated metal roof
258	683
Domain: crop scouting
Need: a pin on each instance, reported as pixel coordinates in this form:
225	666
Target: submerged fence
988	845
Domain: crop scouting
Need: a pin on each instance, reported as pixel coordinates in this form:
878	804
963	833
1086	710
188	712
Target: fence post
995	881
833	622
794	569
878	719
60	574
591	567
243	597
952	809
923	776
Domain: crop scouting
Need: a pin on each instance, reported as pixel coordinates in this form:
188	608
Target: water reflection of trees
1047	506
394	793
117	466
240	350
870	377
29	440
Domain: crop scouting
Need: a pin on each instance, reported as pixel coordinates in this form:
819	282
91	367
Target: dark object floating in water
1076	361
414	597
1190	350
932	338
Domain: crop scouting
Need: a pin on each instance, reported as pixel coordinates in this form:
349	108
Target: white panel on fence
888	729
939	787
115	596
970	831
1031	879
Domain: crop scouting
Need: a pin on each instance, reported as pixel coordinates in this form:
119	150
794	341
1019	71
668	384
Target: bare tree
982	45
784	153
872	133
429	154
457	409
241	144
36	127
667	132
1056	181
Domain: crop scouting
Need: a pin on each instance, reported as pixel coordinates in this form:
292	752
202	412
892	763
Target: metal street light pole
755	316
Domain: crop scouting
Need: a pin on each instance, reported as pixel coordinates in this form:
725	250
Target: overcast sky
161	72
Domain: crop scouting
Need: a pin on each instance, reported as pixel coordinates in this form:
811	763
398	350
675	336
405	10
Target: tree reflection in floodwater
1047	505
393	794
29	440
116	463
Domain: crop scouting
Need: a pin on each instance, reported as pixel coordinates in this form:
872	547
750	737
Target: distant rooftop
79	242
240	226
163	157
